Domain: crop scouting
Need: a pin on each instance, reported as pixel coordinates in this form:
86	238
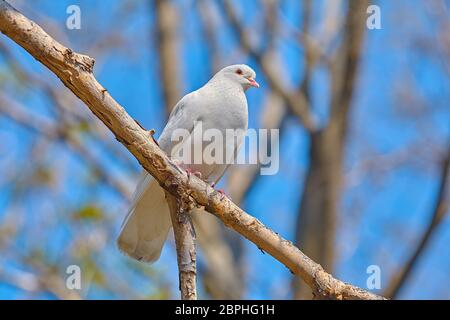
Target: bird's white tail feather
147	224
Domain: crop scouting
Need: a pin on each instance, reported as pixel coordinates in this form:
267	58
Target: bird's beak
253	83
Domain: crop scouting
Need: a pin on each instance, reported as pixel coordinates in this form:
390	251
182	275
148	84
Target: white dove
220	104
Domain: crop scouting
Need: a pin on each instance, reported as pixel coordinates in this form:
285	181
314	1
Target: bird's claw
223	194
177	162
189	172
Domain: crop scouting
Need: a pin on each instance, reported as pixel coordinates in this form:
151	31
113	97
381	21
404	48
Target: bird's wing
177	119
183	116
147	223
146	226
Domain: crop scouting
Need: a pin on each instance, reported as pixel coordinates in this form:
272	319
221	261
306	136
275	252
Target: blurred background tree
364	152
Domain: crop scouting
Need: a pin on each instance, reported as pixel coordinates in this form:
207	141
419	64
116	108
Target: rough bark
184	233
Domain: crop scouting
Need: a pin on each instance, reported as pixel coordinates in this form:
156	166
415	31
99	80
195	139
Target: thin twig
440	209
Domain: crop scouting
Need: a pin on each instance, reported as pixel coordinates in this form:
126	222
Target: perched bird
220	104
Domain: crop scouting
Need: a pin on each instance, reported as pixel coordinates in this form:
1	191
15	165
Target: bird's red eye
239	71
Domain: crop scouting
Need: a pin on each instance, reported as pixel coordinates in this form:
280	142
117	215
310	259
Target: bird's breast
227	110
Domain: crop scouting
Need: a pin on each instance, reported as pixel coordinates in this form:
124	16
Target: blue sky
395	208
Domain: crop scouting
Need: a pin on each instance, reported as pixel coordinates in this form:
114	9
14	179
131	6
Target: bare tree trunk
184	233
167	44
316	224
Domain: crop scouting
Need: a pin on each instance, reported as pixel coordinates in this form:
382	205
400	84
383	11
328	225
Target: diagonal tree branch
63	108
76	72
440	209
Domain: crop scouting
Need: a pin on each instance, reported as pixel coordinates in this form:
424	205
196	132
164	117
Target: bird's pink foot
177	162
222	193
219	191
189	171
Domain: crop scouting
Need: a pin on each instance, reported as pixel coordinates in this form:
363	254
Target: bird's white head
240	73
